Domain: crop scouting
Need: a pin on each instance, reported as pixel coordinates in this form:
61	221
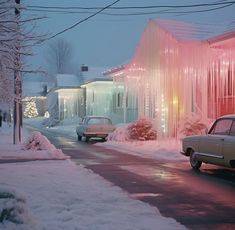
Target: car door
229	146
211	147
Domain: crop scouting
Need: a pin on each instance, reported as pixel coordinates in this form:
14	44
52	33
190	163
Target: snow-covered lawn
57	194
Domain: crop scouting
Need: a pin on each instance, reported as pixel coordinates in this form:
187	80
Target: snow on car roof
94	116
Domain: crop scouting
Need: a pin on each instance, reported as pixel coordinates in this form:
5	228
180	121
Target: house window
230	83
126	100
82	100
118	100
93	96
84	68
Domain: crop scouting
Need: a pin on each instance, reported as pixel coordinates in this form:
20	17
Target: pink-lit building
178	69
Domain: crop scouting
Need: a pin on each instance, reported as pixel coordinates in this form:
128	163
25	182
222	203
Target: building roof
191	31
226	40
95	80
93	73
113	71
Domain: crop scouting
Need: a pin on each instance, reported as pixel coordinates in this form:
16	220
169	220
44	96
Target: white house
65	99
101	99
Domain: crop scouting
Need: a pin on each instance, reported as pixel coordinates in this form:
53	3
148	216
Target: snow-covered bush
119	134
37	142
142	130
191	125
13	210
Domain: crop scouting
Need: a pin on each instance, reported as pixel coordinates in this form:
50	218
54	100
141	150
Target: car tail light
88	129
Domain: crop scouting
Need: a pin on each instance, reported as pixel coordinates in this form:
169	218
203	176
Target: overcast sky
110	40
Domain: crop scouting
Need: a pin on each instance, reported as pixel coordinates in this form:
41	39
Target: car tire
79	138
195	163
86	139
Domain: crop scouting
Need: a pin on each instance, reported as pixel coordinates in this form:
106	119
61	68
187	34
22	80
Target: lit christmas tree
30	109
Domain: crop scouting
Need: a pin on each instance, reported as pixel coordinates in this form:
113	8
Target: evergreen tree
31	109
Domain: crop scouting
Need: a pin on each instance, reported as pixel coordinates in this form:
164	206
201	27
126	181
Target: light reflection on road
153	173
195	182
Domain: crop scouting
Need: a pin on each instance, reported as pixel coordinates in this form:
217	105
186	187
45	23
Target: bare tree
16	41
7	34
59	55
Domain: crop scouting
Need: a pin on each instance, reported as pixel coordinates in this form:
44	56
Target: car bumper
101	135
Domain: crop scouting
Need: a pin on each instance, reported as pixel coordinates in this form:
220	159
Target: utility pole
17	80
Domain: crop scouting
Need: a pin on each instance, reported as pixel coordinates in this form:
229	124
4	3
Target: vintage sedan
94	126
216	147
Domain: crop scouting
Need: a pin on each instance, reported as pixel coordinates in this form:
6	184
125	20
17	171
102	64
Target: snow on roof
93	73
114	70
97	80
66	80
190	31
227	40
182	30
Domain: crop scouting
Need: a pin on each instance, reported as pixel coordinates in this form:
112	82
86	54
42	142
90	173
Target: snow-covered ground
54	193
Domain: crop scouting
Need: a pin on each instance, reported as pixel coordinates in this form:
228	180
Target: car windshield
104	121
222	127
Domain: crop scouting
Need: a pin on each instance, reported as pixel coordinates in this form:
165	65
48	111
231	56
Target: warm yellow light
175	101
47	115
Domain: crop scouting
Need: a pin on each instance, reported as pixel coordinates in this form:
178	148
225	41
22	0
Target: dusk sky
111	40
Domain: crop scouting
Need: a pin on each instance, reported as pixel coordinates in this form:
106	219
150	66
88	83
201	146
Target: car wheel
195	163
79	138
86	139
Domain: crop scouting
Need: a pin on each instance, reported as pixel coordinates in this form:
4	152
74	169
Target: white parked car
94	126
216	147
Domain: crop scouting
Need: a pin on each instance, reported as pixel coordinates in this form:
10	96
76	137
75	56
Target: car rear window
98	121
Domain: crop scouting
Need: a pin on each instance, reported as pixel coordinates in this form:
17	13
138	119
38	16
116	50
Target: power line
172	9
85	19
166	11
133	7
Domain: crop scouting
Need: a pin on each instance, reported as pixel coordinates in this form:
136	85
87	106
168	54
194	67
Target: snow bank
37	142
35	146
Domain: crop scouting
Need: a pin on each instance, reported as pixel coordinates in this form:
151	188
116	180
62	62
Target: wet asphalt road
199	200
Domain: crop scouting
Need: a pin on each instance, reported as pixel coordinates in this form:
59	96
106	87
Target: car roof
228	116
93	116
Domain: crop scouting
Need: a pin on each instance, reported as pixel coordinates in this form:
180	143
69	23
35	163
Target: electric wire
135	7
83	20
171	9
165	9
